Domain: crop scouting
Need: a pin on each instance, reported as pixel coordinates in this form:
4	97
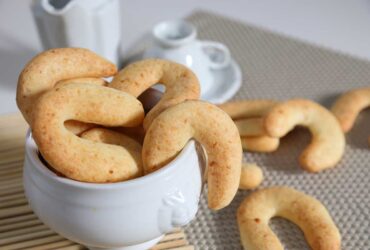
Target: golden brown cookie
52	66
137	133
247	108
327	144
251	176
264	143
131	149
305	211
349	105
248	116
214	129
180	82
77	127
75	157
90	80
250	126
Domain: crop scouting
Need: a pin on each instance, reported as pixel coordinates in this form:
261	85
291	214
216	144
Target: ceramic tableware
177	41
79	23
129	215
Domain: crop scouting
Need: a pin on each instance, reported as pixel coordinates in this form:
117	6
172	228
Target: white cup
176	41
129	215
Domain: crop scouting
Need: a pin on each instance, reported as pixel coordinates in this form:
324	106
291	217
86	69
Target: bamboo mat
19	227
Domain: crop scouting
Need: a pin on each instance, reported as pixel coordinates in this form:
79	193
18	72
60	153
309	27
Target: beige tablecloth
279	67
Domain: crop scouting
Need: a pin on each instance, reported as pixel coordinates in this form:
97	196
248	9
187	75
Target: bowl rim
32	153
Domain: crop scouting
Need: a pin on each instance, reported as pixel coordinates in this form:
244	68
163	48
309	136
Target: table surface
336	24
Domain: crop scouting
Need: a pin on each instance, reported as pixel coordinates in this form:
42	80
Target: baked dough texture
130	147
349	105
180	82
248	116
214	129
49	67
75	157
251	176
327	144
305	211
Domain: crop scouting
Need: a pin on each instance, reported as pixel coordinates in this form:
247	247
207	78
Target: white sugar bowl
129	215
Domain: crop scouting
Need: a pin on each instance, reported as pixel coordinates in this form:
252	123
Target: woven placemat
279	67
19	226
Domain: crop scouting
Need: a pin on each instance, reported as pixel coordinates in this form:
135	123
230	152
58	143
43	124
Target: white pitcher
94	25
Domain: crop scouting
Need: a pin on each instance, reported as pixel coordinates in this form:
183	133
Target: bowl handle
174	212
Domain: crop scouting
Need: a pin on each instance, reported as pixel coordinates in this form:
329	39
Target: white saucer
227	82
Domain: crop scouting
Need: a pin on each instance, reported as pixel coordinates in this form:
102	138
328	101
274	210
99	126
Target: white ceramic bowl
129	215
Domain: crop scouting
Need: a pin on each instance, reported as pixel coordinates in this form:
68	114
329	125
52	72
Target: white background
337	24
